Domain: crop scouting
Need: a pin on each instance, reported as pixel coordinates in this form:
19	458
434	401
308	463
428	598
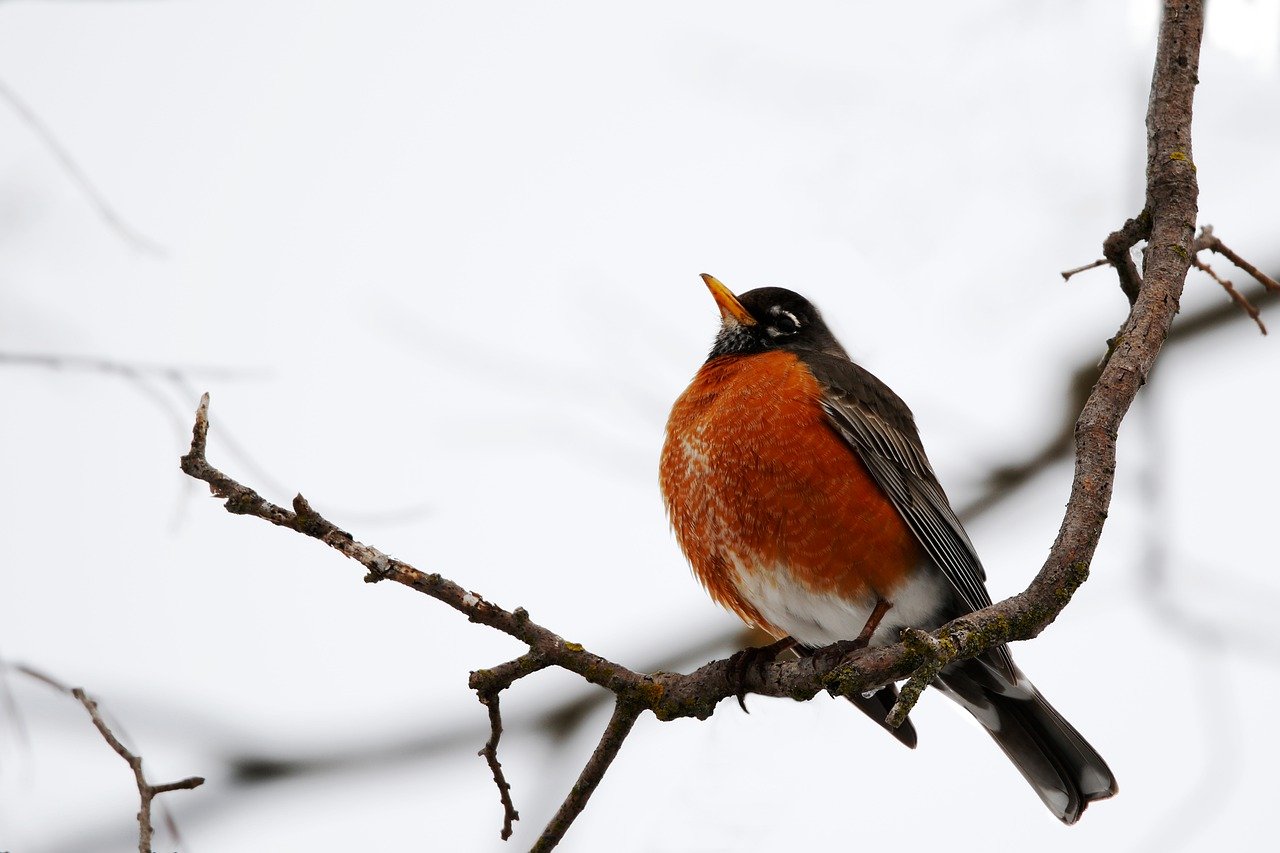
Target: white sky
444	260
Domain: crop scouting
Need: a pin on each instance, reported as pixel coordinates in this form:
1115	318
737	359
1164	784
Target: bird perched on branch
799	490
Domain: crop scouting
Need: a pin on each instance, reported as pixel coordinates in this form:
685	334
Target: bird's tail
1064	769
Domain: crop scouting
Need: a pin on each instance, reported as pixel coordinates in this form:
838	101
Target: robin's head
768	318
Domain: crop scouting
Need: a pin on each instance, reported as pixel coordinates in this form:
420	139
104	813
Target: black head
769	318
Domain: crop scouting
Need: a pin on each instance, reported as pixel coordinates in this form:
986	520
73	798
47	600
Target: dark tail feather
1064	769
877	706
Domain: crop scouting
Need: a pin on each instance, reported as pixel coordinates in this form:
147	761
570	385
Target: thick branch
1171	205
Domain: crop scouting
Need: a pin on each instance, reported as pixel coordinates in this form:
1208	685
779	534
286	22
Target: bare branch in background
113	219
147	379
150	381
1005	479
115	367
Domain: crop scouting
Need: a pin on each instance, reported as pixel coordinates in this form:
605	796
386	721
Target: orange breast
755	478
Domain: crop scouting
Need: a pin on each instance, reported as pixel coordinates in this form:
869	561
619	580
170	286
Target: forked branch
147	792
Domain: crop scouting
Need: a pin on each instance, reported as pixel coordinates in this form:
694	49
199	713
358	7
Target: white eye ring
778	311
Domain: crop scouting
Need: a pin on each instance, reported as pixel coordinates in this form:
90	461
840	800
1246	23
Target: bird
798	489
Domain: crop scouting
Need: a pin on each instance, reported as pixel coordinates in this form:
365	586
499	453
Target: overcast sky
437	265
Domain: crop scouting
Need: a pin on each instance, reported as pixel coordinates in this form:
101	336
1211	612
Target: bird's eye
784	323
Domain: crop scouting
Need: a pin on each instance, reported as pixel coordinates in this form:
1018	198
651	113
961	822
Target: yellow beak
731	310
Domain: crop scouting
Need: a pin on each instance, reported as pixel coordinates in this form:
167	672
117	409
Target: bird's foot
834	653
873	622
742	662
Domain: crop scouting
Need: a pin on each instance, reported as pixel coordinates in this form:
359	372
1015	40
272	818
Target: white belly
818	619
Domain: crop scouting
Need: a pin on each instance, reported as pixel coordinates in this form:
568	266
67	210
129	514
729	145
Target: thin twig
1116	252
1066	274
146	792
624	717
489	684
1208	240
935	659
42	677
93	364
1235	295
490	754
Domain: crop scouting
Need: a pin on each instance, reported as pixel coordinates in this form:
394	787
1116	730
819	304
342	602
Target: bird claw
742	662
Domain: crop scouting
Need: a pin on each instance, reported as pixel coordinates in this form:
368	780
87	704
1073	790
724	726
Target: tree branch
146	791
488	685
1236	296
1209	240
624	717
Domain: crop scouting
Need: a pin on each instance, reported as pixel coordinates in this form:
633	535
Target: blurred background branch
109	215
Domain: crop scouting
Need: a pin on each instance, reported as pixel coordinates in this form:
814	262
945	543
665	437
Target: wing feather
880	429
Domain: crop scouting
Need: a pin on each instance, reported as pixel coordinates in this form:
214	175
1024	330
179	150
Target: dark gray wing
880	429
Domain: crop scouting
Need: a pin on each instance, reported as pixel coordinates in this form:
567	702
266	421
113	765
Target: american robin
799	490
